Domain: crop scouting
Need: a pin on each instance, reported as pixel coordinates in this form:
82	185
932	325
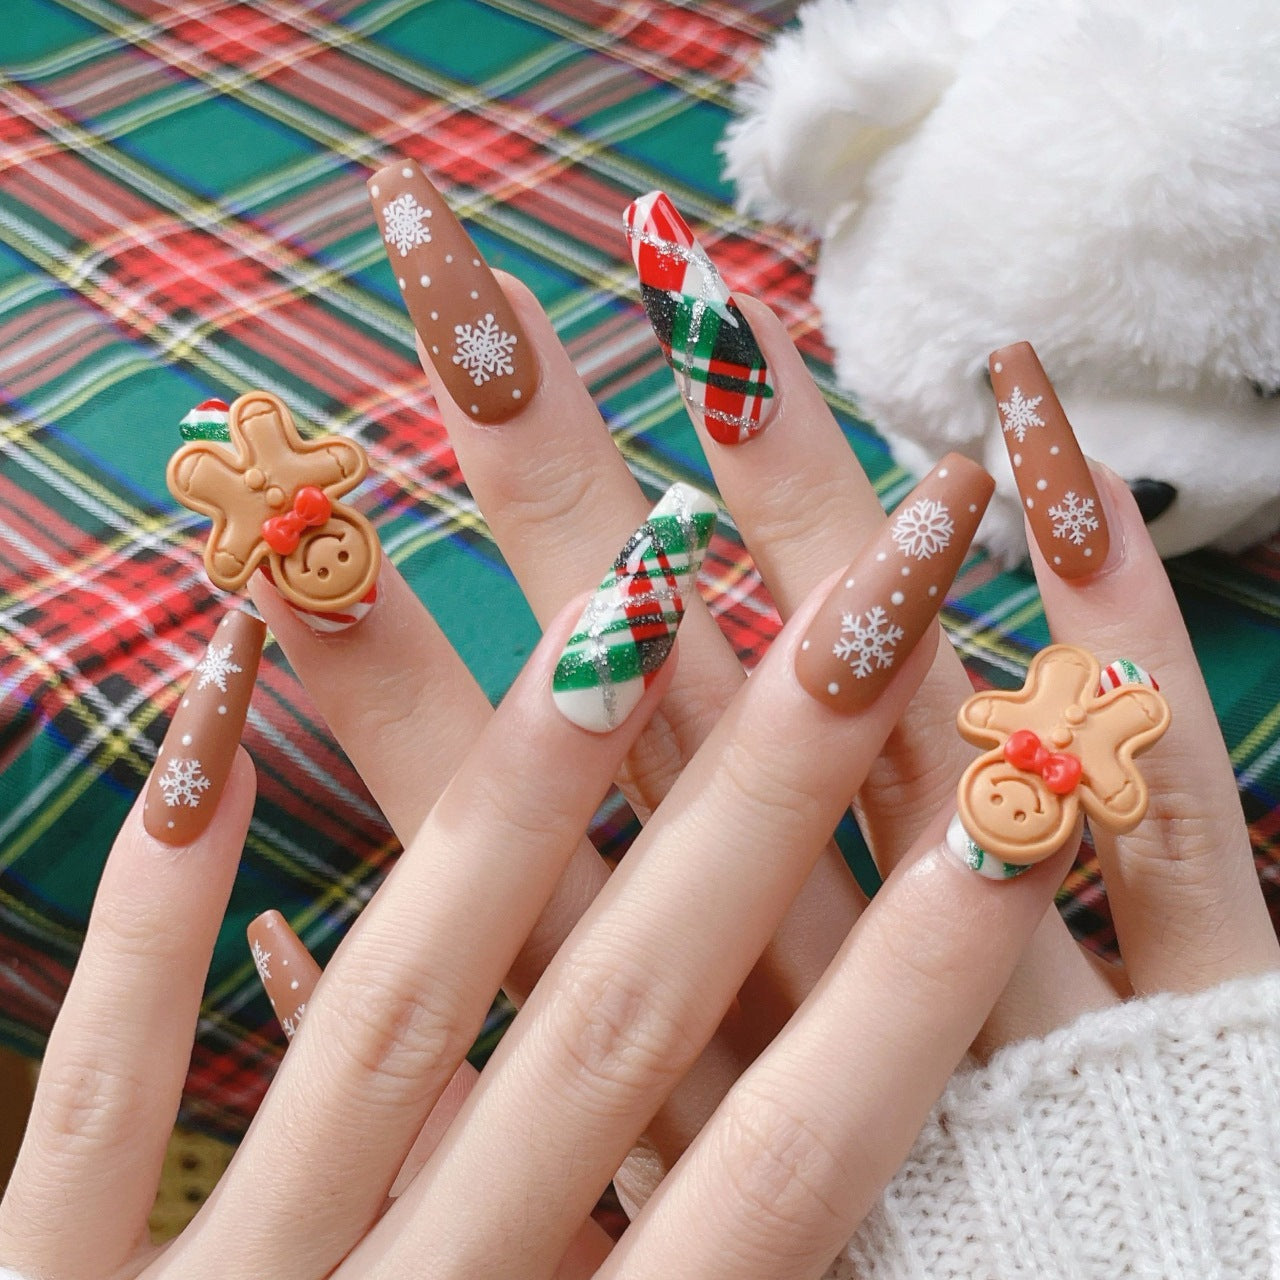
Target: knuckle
86	1107
779	1168
548	493
759	781
615	1035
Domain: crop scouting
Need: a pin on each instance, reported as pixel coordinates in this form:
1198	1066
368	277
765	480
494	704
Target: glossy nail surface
196	755
886	599
627	630
286	968
705	337
477	346
1059	497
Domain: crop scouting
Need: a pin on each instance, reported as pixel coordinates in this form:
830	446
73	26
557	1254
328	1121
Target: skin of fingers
808	1138
85	1181
803	504
641	983
1182	885
553	487
405	996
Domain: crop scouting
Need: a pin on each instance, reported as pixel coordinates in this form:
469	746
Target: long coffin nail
627	630
196	755
477	346
1058	494
705	337
888	596
288	972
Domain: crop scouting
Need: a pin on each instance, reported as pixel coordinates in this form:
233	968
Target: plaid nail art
627	630
703	334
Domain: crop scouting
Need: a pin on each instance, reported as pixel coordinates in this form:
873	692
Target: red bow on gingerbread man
1020	799
273	499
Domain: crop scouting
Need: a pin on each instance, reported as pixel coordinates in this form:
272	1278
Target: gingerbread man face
273	500
1057	745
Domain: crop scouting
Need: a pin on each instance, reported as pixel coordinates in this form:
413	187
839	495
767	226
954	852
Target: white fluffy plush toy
1100	178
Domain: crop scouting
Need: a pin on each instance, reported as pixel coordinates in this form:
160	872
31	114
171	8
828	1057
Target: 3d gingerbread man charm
273	499
1057	744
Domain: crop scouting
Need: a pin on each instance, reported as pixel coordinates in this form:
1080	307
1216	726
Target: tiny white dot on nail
942	475
998	367
435	315
186	739
225	620
516	394
833	688
805	645
374	189
1042	485
285	963
293	986
973	508
186	702
475	262
400	281
897	597
881	555
906	571
435	351
1017	459
474	294
448	257
1030	502
1057	559
170	825
1053	449
222	711
933	591
427	212
475	408
425	281
406	172
848	582
1088	551
271	924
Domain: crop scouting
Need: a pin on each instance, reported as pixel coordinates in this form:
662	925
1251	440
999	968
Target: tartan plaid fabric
182	216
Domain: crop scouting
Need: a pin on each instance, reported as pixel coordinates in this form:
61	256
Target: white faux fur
1101	179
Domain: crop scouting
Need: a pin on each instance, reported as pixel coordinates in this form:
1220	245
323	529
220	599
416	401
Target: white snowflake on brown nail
923	529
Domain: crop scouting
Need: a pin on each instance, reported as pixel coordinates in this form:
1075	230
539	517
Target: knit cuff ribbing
1143	1140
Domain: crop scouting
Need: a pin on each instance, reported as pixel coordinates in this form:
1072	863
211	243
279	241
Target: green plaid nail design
627	630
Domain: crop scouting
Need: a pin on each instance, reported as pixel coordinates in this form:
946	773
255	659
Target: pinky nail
1059	498
706	339
288	972
884	602
196	755
964	849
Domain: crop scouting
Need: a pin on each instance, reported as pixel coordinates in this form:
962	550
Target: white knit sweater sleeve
1142	1141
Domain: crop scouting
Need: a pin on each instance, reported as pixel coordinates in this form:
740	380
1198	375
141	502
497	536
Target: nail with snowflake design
706	339
195	757
286	968
885	600
1059	497
629	626
476	344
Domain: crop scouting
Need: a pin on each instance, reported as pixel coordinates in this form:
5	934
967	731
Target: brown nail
477	346
196	754
1058	494
886	599
288	972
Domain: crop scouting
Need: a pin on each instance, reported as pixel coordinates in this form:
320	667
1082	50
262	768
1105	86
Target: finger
406	995
640	985
555	489
801	502
1182	884
113	1072
806	1141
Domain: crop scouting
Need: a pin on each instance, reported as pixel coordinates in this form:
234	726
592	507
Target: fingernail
889	595
705	337
627	630
962	847
288	972
196	755
477	346
332	621
1059	497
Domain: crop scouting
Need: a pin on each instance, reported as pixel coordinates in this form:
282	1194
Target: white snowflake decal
1073	518
183	783
404	219
292	1025
867	645
262	958
923	528
1019	413
216	666
484	349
